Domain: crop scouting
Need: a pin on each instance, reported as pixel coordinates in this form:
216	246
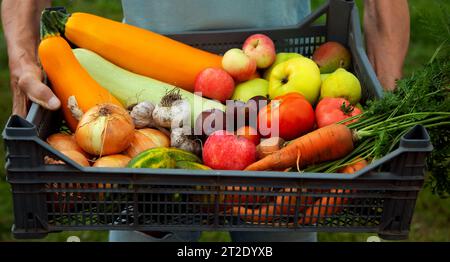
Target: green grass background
431	221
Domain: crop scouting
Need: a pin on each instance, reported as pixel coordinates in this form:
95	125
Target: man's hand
21	26
386	27
27	84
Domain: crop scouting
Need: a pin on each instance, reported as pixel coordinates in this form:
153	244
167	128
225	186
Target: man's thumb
42	94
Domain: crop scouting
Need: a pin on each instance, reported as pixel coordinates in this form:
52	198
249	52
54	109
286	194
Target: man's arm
386	28
21	28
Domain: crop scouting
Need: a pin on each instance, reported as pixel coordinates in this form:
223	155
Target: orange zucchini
68	78
135	49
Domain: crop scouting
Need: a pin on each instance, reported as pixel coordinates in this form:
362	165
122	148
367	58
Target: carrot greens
422	99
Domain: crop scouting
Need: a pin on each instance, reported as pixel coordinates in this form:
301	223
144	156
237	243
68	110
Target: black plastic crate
379	198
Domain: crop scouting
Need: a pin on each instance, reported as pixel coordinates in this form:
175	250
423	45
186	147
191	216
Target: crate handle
19	127
417	138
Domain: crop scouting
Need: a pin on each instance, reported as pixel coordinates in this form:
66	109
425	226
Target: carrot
324	144
69	79
135	49
353	168
258	215
284	206
327	206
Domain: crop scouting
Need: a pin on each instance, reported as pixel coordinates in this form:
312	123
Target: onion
146	138
76	156
64	142
105	130
112	161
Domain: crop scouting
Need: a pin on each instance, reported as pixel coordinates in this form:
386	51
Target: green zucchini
130	88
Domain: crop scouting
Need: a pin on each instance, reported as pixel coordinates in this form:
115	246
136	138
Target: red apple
250	133
261	48
215	83
238	64
225	151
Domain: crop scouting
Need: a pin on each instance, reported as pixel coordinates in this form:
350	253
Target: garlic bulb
142	114
181	113
178	114
180	138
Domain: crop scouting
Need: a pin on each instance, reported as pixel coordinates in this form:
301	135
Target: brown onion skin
77	157
115	161
64	142
105	129
146	138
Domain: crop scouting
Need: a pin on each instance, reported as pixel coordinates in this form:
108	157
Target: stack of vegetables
127	96
102	130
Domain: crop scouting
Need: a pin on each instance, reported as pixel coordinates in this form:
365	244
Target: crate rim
406	145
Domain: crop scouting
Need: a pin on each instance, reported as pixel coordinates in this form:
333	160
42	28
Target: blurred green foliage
431	221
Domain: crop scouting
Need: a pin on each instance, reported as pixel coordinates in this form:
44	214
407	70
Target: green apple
251	88
299	75
280	58
342	83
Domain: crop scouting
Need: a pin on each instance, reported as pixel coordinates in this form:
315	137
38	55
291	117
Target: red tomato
331	110
290	116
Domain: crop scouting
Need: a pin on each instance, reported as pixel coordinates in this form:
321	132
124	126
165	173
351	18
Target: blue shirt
171	16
